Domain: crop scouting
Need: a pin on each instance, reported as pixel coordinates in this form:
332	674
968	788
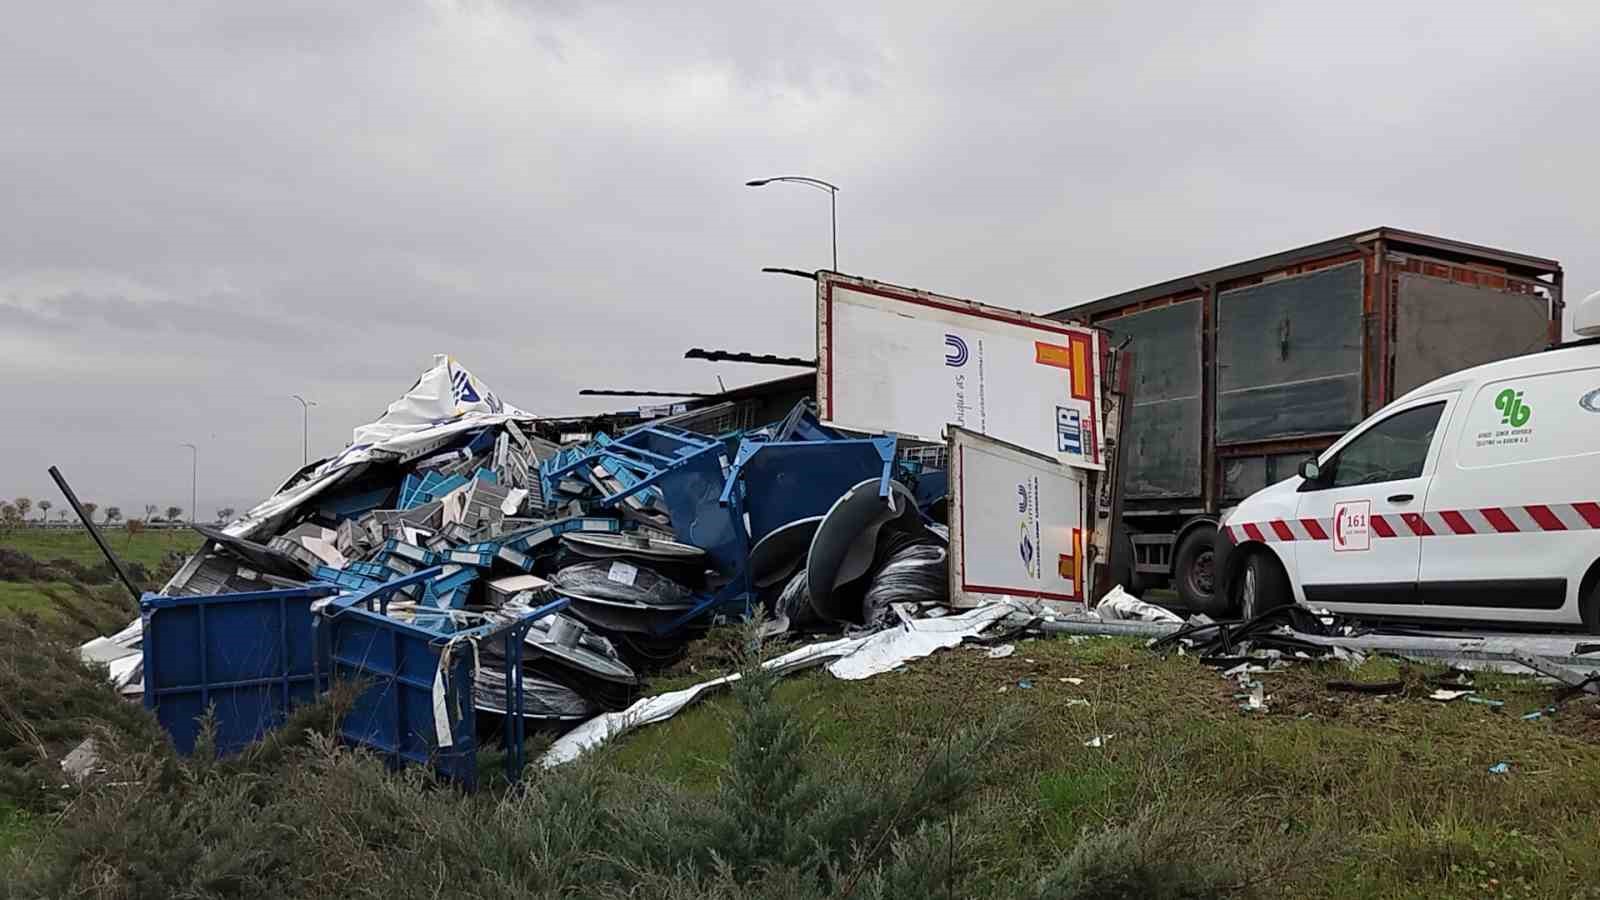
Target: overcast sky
210	206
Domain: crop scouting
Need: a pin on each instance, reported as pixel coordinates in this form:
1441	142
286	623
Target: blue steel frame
748	448
639	449
374	604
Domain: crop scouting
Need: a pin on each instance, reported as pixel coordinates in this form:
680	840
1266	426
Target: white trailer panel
909	362
1017	523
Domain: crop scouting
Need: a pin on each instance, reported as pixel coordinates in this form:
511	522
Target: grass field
1326	794
147	548
35	597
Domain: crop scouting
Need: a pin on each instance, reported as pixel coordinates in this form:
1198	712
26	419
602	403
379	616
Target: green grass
16	826
147	548
71	609
34	597
1324	795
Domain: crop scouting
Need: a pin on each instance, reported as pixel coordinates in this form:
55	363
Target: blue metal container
417	706
248	655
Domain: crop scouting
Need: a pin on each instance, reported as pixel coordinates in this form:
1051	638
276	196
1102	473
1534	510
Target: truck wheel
1192	571
1262	585
1120	562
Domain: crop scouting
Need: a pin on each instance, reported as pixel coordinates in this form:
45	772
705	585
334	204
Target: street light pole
194	479
305	419
819	184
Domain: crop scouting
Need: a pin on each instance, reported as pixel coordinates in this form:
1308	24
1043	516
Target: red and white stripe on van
1446	523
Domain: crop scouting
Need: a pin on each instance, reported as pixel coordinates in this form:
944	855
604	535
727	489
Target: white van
1475	497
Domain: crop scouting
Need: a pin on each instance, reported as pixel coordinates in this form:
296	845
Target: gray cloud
211	206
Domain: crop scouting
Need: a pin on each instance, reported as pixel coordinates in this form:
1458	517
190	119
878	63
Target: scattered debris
1120	606
1445	695
845	658
1368	687
1002	651
83	761
1500	768
1256	699
1098	740
456	516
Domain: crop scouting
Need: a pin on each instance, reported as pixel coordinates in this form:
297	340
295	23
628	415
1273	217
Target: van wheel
1262	585
1591	610
1193	573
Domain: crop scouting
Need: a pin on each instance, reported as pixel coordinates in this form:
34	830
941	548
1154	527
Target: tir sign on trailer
909	362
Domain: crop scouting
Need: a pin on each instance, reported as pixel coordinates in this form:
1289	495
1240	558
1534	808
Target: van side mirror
1309	470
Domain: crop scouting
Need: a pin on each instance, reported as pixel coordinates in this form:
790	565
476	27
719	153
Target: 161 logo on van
1351	526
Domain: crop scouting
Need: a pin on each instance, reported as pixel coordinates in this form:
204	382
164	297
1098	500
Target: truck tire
1192	572
1263	585
1120	561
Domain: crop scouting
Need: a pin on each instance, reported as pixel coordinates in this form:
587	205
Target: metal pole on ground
194	479
88	524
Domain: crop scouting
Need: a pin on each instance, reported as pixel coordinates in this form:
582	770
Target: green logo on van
1513	411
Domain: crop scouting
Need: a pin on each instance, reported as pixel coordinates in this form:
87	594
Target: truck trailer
1243	371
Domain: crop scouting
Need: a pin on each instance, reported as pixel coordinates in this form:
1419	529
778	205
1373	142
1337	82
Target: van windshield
1391	450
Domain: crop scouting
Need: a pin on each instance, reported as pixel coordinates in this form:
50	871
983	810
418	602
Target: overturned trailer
1018	403
1245	370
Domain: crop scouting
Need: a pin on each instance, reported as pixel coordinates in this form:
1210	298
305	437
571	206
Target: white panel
892	359
1534	418
1016	523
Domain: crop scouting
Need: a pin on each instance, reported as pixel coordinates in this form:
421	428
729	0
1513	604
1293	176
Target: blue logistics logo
1069	430
1028	543
955	353
461	383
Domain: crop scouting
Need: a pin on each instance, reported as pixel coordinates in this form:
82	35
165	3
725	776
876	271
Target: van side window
1391	450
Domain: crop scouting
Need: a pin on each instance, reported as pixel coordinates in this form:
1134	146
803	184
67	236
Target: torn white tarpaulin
913	639
445	401
650	710
853	659
442	713
1120	606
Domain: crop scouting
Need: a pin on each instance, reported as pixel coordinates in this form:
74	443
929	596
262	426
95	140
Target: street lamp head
758	182
799	273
